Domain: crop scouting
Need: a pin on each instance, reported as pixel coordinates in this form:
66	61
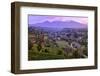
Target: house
75	45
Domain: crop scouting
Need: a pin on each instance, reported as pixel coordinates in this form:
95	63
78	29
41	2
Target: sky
33	19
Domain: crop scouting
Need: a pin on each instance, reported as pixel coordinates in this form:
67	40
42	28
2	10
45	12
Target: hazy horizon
33	19
57	21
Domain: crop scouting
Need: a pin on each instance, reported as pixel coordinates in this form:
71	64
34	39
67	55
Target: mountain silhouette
60	24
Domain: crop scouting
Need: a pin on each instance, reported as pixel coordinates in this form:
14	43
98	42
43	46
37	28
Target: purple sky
33	19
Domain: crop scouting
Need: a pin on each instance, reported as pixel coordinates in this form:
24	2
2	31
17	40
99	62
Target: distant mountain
60	24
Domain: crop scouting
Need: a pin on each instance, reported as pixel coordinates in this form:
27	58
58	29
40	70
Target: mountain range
60	24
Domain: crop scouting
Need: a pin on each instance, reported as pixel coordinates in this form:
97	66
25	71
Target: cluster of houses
74	38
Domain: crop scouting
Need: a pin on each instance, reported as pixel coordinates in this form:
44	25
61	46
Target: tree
46	51
39	47
59	52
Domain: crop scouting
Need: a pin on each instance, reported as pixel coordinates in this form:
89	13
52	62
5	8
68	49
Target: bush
39	47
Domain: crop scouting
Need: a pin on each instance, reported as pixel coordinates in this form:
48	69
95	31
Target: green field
38	52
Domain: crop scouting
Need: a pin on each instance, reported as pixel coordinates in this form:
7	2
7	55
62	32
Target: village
66	43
